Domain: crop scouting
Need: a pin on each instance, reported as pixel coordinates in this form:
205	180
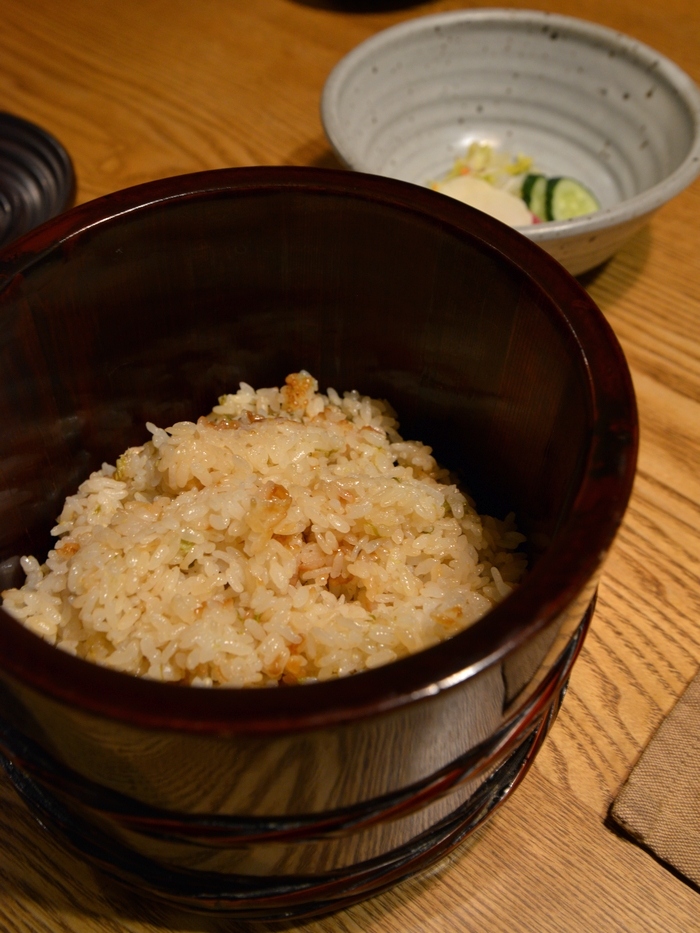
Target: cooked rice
288	536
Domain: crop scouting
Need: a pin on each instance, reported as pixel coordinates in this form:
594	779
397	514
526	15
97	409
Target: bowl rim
638	206
593	521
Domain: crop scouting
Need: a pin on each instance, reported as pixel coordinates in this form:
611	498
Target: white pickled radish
500	204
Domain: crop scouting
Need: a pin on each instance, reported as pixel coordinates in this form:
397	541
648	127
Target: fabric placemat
659	806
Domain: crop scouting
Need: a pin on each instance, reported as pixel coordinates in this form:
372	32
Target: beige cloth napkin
660	803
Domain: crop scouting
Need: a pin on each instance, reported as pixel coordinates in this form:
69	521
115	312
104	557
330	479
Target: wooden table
140	89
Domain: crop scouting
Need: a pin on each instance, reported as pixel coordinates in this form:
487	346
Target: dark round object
36	177
147	305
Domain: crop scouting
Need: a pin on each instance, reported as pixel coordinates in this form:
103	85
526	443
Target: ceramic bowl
146	305
582	100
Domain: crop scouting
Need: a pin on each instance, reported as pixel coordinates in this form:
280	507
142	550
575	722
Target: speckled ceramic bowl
581	99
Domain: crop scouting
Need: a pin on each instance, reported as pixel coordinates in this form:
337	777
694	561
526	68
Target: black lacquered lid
36	177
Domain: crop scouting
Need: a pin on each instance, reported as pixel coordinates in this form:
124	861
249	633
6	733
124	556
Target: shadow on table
610	281
315	154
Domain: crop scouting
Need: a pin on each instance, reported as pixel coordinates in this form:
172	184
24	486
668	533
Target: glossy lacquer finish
146	306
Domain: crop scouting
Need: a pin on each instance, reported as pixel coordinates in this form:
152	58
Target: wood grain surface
148	88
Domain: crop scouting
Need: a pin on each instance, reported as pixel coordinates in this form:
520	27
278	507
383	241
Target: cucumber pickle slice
566	198
534	193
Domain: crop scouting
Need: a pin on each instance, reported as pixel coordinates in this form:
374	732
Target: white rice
289	536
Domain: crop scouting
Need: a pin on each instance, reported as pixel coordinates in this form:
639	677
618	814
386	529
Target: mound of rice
288	536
